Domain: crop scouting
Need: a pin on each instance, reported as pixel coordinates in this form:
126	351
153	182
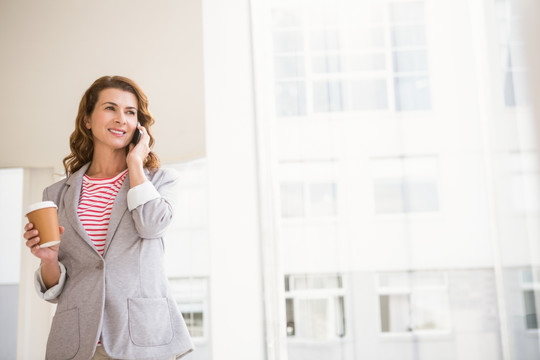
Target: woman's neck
107	165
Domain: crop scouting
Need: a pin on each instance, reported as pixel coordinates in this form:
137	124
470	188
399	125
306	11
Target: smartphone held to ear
136	136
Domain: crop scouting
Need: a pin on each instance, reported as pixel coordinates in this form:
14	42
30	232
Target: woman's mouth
117	132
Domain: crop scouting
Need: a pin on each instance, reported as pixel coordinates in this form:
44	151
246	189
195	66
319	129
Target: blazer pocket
150	321
64	337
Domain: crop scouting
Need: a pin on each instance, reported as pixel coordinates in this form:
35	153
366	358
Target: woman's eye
130	112
109	108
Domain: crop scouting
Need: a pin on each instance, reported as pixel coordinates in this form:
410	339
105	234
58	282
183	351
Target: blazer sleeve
152	203
53	292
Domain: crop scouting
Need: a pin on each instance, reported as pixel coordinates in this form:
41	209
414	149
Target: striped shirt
95	206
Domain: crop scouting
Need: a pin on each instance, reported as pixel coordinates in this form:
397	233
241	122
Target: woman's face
114	119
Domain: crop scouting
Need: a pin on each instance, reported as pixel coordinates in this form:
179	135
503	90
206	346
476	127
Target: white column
34	314
236	304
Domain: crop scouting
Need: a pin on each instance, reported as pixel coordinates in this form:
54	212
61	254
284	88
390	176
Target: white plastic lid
40	205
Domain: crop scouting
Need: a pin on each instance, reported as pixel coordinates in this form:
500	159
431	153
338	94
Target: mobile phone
137	136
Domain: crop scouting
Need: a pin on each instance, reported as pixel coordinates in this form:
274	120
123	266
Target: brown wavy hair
81	141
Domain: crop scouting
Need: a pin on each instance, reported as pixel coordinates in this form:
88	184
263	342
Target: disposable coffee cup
44	216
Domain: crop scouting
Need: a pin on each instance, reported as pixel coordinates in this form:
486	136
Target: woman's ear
87	123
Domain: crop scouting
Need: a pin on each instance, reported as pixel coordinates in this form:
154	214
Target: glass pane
290	99
365	62
388	194
430	310
412	93
394	312
407	61
286	18
322	199
288	66
288	41
311	319
364	38
303	282
324	40
341	329
289	308
531	319
367	94
327	96
407	12
420	196
326	64
194	322
292	200
408	35
515	88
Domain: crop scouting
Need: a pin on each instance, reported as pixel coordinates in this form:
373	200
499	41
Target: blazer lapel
71	204
118	211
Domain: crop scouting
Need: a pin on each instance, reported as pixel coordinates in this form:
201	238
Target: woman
107	274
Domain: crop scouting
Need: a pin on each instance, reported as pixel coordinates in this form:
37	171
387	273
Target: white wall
53	50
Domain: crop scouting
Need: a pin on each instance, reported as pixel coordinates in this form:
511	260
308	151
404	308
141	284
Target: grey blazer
124	294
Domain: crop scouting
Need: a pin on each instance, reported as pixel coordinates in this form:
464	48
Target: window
191	295
359	56
511	52
531	298
308	199
315	307
413	302
405	184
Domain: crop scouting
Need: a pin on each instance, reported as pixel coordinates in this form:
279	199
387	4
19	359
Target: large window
315	307
358	56
405	184
413	302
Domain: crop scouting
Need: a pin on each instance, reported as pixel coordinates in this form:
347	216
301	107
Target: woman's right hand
32	241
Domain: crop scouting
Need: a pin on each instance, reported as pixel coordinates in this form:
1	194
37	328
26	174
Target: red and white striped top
95	206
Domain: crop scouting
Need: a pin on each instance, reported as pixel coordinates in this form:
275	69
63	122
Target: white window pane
311	319
291	325
388	194
408	35
292	200
364	38
365	63
428	278
322	199
407	12
326	64
430	310
394	280
340	327
290	99
515	88
412	93
367	94
288	66
303	282
286	18
407	61
529	302
395	313
324	40
328	96
421	196
288	41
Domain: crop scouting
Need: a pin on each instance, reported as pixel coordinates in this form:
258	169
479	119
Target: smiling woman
113	209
